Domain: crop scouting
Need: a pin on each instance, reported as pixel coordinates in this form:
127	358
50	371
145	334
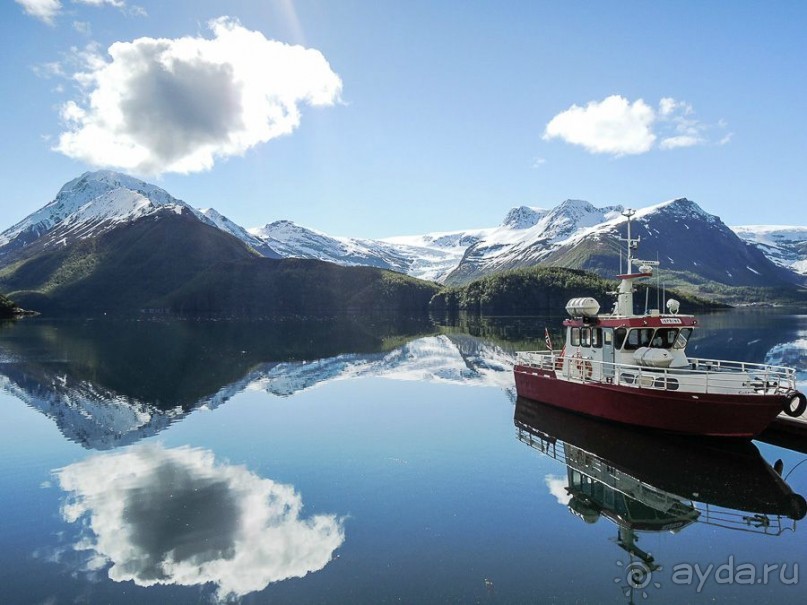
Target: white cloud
162	105
137	11
669	106
683	140
53	69
115	3
44	10
82	27
47	10
613	125
176	516
134	11
681	129
618	127
557	487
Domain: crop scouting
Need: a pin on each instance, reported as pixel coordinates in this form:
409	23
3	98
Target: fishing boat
633	369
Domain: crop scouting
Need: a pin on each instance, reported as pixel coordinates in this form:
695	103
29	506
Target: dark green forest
543	290
8	308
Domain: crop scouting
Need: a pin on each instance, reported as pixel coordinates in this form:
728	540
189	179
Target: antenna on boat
624	304
658	285
632	243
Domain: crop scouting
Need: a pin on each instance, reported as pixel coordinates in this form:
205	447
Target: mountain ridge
574	234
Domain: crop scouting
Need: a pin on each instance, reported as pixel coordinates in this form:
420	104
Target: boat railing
699	376
756	523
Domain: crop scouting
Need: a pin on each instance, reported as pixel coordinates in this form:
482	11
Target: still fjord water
198	462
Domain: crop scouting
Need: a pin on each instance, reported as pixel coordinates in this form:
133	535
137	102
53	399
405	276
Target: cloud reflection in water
175	516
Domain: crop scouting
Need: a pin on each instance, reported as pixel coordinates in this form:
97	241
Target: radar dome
673	306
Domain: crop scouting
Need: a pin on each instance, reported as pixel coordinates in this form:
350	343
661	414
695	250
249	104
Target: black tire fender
797	405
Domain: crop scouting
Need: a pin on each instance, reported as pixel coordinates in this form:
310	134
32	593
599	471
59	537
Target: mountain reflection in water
110	384
176	516
650	482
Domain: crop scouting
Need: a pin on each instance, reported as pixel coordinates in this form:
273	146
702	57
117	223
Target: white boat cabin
597	343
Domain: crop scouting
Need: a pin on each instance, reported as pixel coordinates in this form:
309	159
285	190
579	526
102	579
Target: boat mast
624	301
632	243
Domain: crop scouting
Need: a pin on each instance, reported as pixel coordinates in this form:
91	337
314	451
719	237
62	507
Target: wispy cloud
683	129
618	127
82	27
163	105
115	3
47	10
44	10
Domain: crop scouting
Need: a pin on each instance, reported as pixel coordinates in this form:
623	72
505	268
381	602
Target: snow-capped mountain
679	233
528	236
574	234
291	240
524	217
684	237
88	206
434	255
784	245
228	226
429	257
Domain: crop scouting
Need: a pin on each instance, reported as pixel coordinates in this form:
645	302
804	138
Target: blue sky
399	118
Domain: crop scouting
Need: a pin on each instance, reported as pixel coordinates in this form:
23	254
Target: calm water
193	462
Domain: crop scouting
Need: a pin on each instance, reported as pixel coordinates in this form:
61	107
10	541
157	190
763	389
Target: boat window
619	337
608	337
585	337
683	338
667	383
575	337
641	337
596	337
665	338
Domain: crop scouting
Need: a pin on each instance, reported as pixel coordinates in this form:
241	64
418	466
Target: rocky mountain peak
92	185
523	217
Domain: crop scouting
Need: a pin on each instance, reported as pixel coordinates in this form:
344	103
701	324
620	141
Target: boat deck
712	376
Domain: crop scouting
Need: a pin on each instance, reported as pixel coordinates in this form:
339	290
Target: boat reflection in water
649	482
175	516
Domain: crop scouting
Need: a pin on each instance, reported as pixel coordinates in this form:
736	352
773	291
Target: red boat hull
672	411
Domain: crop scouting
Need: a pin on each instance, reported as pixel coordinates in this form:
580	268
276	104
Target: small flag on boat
547	339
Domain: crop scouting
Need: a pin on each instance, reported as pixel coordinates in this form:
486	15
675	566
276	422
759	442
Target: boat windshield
640	337
683	338
661	338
